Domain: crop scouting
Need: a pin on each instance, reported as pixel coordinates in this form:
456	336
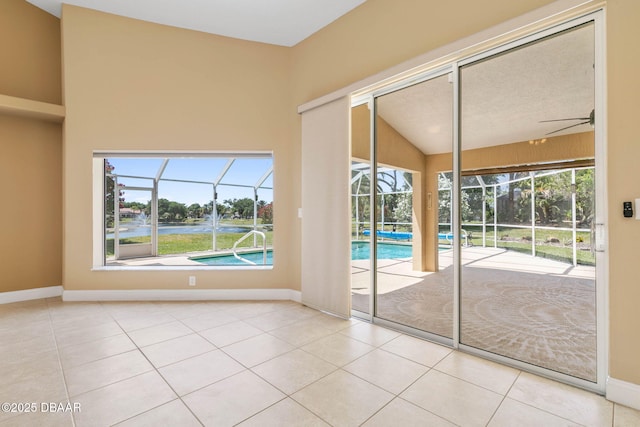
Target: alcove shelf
15	106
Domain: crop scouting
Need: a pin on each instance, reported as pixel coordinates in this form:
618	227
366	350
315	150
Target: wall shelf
12	105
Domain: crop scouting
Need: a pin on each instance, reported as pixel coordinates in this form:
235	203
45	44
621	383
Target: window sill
183	268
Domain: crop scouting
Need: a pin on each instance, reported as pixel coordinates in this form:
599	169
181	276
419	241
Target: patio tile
370	334
177	349
490	375
273	320
31	367
343	399
256	350
133	323
93	375
134	396
87	333
625	417
417	350
286	413
230	333
568	402
232	400
200	371
294	370
338	349
300	333
18	351
386	370
79	354
40	419
399	412
512	412
209	320
47	387
159	333
455	400
174	413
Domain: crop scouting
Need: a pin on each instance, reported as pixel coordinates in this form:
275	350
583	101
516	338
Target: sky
243	171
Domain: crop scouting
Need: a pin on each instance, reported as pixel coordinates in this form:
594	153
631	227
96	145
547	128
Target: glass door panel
361	211
527	282
414	272
135	222
360	237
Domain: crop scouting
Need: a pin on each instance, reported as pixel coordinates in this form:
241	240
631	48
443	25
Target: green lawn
171	244
553	244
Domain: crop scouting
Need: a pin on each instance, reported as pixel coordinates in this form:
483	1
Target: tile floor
259	364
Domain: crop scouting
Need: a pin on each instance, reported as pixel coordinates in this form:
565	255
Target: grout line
341	332
64	376
178	397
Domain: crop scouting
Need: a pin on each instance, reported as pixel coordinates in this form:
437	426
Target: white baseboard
624	393
29	294
182	295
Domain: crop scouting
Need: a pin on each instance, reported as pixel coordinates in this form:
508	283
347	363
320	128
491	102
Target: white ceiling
279	22
504	98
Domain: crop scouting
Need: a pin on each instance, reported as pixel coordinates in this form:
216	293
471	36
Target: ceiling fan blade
564	120
568	127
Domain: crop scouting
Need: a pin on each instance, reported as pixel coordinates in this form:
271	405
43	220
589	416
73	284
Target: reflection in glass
414	274
528	275
360	247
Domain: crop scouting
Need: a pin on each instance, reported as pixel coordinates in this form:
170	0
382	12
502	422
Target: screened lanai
501	155
544	213
214	210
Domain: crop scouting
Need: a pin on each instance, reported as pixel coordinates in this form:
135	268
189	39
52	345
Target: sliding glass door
477	204
413	143
528	282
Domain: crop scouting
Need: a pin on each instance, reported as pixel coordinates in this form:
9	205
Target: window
187	209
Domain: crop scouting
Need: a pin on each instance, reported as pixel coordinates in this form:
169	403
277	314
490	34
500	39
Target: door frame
600	132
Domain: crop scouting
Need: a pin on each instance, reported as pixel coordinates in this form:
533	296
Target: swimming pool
359	251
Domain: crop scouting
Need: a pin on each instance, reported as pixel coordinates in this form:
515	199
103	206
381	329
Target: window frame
99	255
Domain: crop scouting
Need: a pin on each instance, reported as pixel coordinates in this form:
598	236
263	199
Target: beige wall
133	85
31	214
30	159
393	149
382	34
623	151
30	52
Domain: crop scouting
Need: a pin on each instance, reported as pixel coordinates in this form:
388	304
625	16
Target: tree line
513	201
171	211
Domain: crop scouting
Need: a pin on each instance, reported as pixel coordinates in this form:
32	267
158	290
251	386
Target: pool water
131	230
359	251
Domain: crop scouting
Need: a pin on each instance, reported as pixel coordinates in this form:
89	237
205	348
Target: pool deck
164	260
533	309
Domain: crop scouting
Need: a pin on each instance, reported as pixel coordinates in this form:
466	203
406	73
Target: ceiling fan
583	121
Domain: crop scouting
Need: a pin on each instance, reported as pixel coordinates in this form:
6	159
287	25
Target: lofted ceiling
504	97
279	22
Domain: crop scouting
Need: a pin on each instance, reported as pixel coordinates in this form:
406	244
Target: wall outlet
192	280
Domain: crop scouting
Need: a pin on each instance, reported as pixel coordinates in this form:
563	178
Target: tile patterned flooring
267	363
